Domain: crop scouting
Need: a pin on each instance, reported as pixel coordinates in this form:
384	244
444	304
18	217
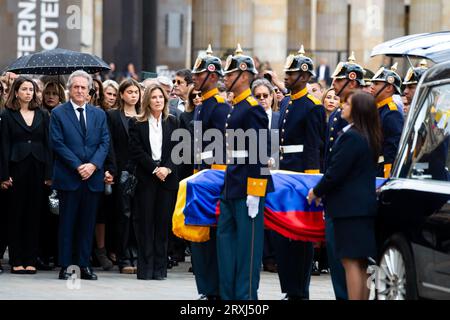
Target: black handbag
128	182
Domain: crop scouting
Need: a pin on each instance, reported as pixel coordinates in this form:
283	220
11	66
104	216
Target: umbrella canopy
433	46
57	62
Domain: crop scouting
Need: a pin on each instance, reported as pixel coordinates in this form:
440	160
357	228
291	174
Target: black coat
141	153
18	140
119	130
348	185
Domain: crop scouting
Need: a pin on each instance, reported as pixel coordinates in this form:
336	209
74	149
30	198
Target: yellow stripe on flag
189	233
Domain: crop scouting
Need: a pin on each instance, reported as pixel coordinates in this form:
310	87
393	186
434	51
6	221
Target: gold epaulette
392	106
314	99
252	101
219	99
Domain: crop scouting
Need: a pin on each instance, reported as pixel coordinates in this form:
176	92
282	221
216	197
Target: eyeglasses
262	96
196	95
177	82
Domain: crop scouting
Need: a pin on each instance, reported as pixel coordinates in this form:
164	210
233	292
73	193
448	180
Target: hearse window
426	156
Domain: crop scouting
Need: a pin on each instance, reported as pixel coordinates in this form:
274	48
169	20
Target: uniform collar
210	94
244	95
385	102
299	94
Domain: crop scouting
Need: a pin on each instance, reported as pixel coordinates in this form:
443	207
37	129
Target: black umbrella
57	62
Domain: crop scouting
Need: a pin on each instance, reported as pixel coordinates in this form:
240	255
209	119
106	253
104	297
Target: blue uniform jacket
302	124
348	185
392	124
334	127
246	179
212	114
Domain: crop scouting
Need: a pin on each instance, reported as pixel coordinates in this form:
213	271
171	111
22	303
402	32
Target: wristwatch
170	171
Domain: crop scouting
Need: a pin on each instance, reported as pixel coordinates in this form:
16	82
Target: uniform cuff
256	187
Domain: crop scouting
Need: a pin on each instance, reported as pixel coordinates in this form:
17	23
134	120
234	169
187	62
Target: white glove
253	206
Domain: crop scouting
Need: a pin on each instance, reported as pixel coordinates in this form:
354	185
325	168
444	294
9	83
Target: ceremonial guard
385	84
211	114
240	233
301	130
412	80
347	78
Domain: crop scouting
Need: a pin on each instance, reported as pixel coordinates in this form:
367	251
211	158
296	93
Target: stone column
367	30
87	30
206	25
98	27
270	29
425	15
237	25
331	29
299	25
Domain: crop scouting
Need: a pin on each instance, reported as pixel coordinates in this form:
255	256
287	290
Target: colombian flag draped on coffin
287	210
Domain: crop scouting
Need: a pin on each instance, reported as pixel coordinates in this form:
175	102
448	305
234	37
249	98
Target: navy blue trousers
240	241
204	264
77	216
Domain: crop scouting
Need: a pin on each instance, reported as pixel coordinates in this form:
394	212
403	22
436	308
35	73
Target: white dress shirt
322	70
181	105
77	113
269	115
347	128
155	136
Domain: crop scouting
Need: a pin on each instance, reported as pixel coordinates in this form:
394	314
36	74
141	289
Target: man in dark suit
80	140
323	73
181	85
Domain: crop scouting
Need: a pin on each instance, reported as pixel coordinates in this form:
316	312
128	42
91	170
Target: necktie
82	121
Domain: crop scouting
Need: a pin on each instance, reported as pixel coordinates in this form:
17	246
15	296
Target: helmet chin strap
204	82
343	88
291	87
236	80
381	90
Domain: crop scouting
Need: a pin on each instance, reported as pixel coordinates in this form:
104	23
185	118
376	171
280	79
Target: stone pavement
180	285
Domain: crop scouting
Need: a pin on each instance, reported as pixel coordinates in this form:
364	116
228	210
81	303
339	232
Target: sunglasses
262	96
177	82
276	90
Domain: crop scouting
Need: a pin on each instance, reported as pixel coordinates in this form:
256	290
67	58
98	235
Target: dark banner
28	26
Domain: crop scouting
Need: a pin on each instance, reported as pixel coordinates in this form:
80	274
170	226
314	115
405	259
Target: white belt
292	149
206	155
239	154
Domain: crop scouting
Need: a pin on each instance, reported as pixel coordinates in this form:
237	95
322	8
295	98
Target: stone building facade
150	33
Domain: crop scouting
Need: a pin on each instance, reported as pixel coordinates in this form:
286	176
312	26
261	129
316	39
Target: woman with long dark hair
129	105
151	148
348	189
26	169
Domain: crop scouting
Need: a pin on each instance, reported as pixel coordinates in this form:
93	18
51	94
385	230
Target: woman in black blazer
348	189
26	169
129	103
150	149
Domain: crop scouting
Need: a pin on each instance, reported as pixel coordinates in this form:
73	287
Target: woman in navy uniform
301	131
348	189
211	114
347	78
240	230
385	84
